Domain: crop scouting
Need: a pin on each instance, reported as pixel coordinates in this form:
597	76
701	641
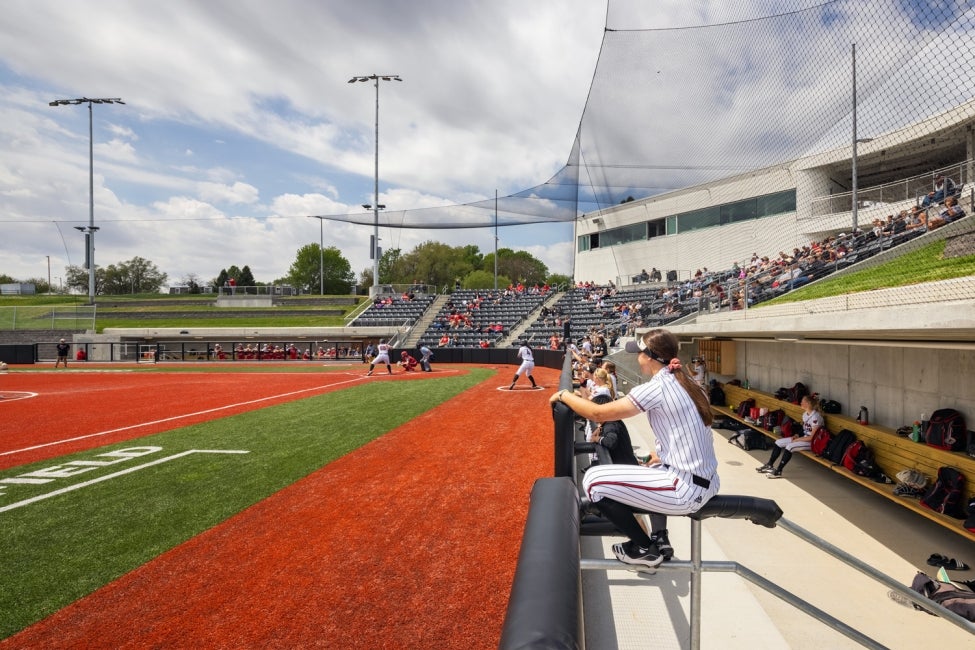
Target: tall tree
137	275
76	279
335	270
435	263
520	266
246	278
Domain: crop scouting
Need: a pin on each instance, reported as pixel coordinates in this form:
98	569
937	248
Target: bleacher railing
912	189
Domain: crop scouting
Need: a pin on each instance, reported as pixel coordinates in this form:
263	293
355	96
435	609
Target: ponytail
663	344
603	376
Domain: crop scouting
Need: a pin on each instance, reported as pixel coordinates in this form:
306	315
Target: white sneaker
630	553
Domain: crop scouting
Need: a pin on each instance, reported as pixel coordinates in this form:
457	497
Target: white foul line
129	470
175	417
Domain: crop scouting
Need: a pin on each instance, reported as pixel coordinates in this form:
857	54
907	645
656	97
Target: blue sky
239	121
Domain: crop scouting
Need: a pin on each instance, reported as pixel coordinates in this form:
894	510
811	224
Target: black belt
699	481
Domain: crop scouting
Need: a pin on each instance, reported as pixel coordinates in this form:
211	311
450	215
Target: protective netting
716	91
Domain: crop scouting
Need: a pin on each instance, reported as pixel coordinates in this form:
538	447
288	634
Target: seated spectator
598	348
952	211
444	341
915	219
943	187
484	344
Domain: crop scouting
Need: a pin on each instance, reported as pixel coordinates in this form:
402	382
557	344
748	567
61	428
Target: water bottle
864	416
745	385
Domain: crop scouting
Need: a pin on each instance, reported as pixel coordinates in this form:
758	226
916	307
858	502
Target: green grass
34	313
926	264
55	551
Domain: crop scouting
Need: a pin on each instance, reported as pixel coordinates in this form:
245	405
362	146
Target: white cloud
221	193
229	101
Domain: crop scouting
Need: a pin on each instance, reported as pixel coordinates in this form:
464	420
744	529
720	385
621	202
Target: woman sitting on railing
681	476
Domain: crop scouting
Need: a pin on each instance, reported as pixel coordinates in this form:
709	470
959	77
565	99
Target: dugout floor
652	610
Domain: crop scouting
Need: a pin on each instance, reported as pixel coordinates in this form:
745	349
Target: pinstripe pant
665	490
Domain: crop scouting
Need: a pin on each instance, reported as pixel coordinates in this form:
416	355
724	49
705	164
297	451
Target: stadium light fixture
91	229
374	248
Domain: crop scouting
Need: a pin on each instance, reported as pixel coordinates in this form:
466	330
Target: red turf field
414	552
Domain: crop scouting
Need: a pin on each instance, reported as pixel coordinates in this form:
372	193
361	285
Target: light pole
375	203
855	199
91	229
321	254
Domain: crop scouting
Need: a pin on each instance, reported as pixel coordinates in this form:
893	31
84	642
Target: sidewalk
652	610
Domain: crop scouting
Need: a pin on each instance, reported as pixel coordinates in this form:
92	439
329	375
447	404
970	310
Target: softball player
681	475
812	421
526	367
382	356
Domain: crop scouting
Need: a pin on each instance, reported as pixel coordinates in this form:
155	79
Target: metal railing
697	566
912	188
48	317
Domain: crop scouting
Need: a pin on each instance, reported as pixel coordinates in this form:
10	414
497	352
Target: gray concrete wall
896	384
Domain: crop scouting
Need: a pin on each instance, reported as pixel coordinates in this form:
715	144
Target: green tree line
317	270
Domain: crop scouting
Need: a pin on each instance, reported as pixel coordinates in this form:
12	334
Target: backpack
945	496
782	393
838	445
745	407
946	430
856	452
786	428
949	596
797	392
716	395
831	406
748	439
820	441
867	467
773	419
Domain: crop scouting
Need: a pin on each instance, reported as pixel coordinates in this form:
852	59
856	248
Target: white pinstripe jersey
683	440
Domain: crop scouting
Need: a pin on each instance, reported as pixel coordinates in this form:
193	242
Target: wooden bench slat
892	452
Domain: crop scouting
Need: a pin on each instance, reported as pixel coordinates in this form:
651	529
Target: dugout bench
892	452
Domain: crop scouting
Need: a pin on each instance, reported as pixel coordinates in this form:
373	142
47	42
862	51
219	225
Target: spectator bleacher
593	308
471	316
394	311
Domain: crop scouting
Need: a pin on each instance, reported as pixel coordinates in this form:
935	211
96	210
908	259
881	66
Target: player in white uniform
526	367
681	476
382	356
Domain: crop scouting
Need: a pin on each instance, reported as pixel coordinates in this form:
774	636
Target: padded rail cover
545	601
763	512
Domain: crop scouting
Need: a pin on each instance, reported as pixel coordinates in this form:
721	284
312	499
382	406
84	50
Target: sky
239	121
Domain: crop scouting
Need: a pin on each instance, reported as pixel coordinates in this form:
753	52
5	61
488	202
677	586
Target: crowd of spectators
480	318
291	352
607	310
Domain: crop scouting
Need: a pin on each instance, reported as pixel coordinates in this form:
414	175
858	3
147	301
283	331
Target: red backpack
820	440
854	453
